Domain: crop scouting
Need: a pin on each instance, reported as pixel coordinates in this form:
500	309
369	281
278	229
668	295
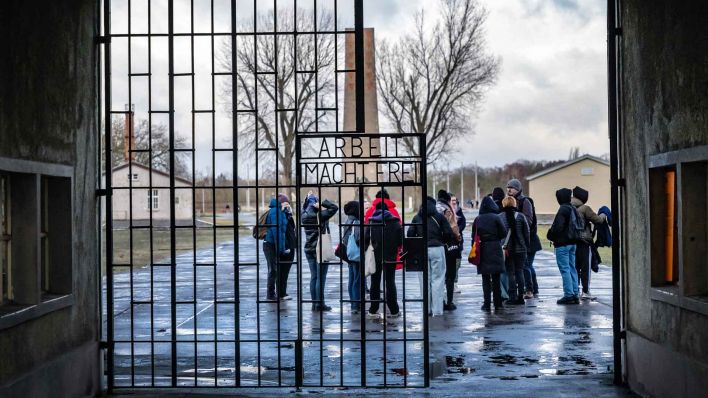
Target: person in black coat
385	233
564	247
490	228
461	225
316	222
286	259
439	233
518	241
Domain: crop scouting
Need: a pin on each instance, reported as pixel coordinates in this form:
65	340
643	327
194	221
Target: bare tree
275	83
159	156
432	81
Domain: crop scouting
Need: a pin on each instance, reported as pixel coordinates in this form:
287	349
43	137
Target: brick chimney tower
129	133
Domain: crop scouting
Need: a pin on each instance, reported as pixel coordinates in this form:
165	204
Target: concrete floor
540	349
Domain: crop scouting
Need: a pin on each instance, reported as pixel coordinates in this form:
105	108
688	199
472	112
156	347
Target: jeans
491	286
354	285
318	277
530	274
565	258
515	271
389	276
436	279
269	251
583	258
504	286
450	275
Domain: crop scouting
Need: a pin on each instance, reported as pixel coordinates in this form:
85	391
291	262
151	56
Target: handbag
505	246
369	261
341	252
412	255
259	230
475	256
325	252
352	249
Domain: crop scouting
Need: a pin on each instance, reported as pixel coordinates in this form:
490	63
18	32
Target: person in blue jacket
274	244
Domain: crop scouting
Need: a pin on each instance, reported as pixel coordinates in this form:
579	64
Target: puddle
462	370
503	359
454	361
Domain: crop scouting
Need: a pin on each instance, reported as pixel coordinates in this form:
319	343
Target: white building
148	196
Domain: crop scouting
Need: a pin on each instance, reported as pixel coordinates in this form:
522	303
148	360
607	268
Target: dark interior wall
665	108
48	113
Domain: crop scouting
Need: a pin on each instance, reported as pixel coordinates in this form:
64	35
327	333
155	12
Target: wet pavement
538	349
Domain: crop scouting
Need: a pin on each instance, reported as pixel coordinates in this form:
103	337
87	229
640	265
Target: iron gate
211	109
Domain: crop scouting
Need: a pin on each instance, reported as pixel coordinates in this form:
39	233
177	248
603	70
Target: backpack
259	231
353	253
576	226
533	228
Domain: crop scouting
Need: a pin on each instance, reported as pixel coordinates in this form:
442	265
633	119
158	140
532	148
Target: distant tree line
487	177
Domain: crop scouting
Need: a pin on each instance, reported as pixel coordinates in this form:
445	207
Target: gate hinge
103	345
623	334
621	182
103	39
617	31
101	192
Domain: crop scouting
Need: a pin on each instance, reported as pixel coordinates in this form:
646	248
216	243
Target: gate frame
105	40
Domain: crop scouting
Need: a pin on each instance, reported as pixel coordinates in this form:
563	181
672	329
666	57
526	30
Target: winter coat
276	234
439	230
604	234
589	216
520	238
351	209
384	232
391	205
461	223
445	209
525	207
316	221
490	228
290	238
558	233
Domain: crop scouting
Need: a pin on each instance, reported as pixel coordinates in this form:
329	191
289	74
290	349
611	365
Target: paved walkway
540	349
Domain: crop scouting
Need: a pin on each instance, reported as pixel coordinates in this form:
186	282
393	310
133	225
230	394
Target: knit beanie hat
581	194
514	183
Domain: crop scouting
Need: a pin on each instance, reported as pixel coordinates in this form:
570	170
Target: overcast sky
550	95
551	92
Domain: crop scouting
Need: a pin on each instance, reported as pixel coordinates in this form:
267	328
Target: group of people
572	235
505	233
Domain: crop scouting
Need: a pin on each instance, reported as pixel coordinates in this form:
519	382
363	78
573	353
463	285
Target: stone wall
665	108
48	113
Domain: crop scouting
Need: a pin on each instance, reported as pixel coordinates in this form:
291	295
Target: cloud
551	92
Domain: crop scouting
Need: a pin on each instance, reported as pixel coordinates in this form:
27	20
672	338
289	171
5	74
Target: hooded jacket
391	205
490	228
384	232
276	234
439	230
558	233
316	221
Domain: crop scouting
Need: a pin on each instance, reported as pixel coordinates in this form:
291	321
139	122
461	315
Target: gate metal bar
177	378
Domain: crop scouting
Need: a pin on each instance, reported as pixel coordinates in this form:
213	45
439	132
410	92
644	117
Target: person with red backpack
564	233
